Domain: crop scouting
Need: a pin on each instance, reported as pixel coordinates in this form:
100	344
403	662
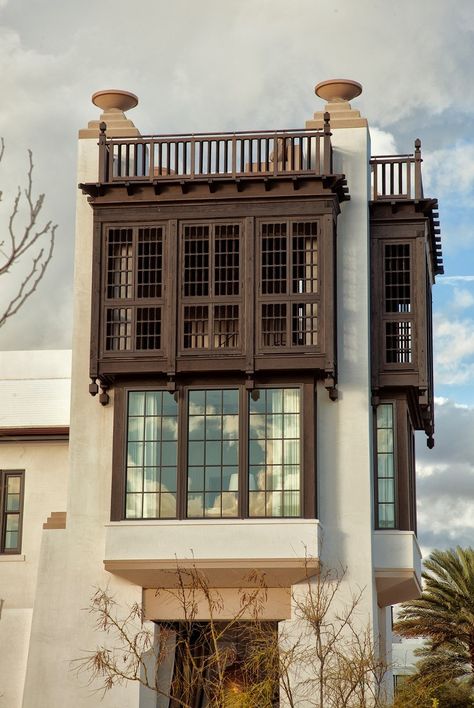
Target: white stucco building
260	344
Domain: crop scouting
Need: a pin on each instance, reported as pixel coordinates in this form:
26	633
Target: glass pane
274	477
213	479
135	428
291	400
274	504
152	480
170	405
385	465
213	402
136	402
291	425
168	453
257	452
230	401
275	452
195	505
292	452
386	516
152	454
229	504
196	427
213	427
212	504
168	479
153	403
196	453
13	502
384	415
13	521
230	453
274	400
134	479
257	504
230	427
213	453
13	485
257	401
195	479
135	454
230	479
257	426
384	440
196	402
292	477
256	478
168	506
150	506
134	506
386	490
274	426
169	428
152	428
292	503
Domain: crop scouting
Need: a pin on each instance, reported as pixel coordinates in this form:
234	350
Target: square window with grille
398	342
134	276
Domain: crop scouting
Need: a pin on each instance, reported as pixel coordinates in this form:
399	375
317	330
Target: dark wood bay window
214	453
11	506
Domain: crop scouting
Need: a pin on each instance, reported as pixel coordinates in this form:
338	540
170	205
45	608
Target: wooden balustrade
214	156
397	176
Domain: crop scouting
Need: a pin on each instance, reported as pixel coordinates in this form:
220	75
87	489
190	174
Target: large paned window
274	452
152	449
214	453
11	504
385	467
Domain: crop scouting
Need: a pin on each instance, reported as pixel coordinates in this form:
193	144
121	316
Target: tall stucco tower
252	316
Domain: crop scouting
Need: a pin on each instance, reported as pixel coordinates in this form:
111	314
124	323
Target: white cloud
382	142
462	299
454	349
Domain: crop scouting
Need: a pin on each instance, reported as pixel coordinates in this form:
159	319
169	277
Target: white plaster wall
344	427
71	563
14	636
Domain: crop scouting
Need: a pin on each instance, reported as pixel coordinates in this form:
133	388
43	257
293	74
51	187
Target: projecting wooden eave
217	187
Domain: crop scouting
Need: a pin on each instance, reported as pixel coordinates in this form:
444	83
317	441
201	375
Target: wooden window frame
307	445
4	475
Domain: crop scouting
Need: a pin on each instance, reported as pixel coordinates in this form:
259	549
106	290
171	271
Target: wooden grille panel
134	277
289	267
398	305
211	287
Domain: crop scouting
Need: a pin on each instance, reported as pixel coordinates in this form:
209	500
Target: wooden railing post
418	161
327	164
102	153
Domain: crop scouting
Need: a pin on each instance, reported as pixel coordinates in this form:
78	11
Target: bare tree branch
23	241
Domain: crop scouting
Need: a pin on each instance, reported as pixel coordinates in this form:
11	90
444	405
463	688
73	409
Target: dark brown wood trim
59	432
117	507
4	474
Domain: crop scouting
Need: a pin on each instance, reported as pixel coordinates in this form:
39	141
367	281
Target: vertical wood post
418	161
327	165
102	153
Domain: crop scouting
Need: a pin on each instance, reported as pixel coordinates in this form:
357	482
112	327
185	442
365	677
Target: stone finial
113	103
338	93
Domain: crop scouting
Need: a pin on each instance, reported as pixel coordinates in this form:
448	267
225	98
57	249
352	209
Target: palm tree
444	615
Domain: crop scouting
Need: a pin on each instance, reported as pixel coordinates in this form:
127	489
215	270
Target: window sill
211	522
4	558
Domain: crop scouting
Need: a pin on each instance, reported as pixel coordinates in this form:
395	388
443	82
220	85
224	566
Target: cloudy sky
202	65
